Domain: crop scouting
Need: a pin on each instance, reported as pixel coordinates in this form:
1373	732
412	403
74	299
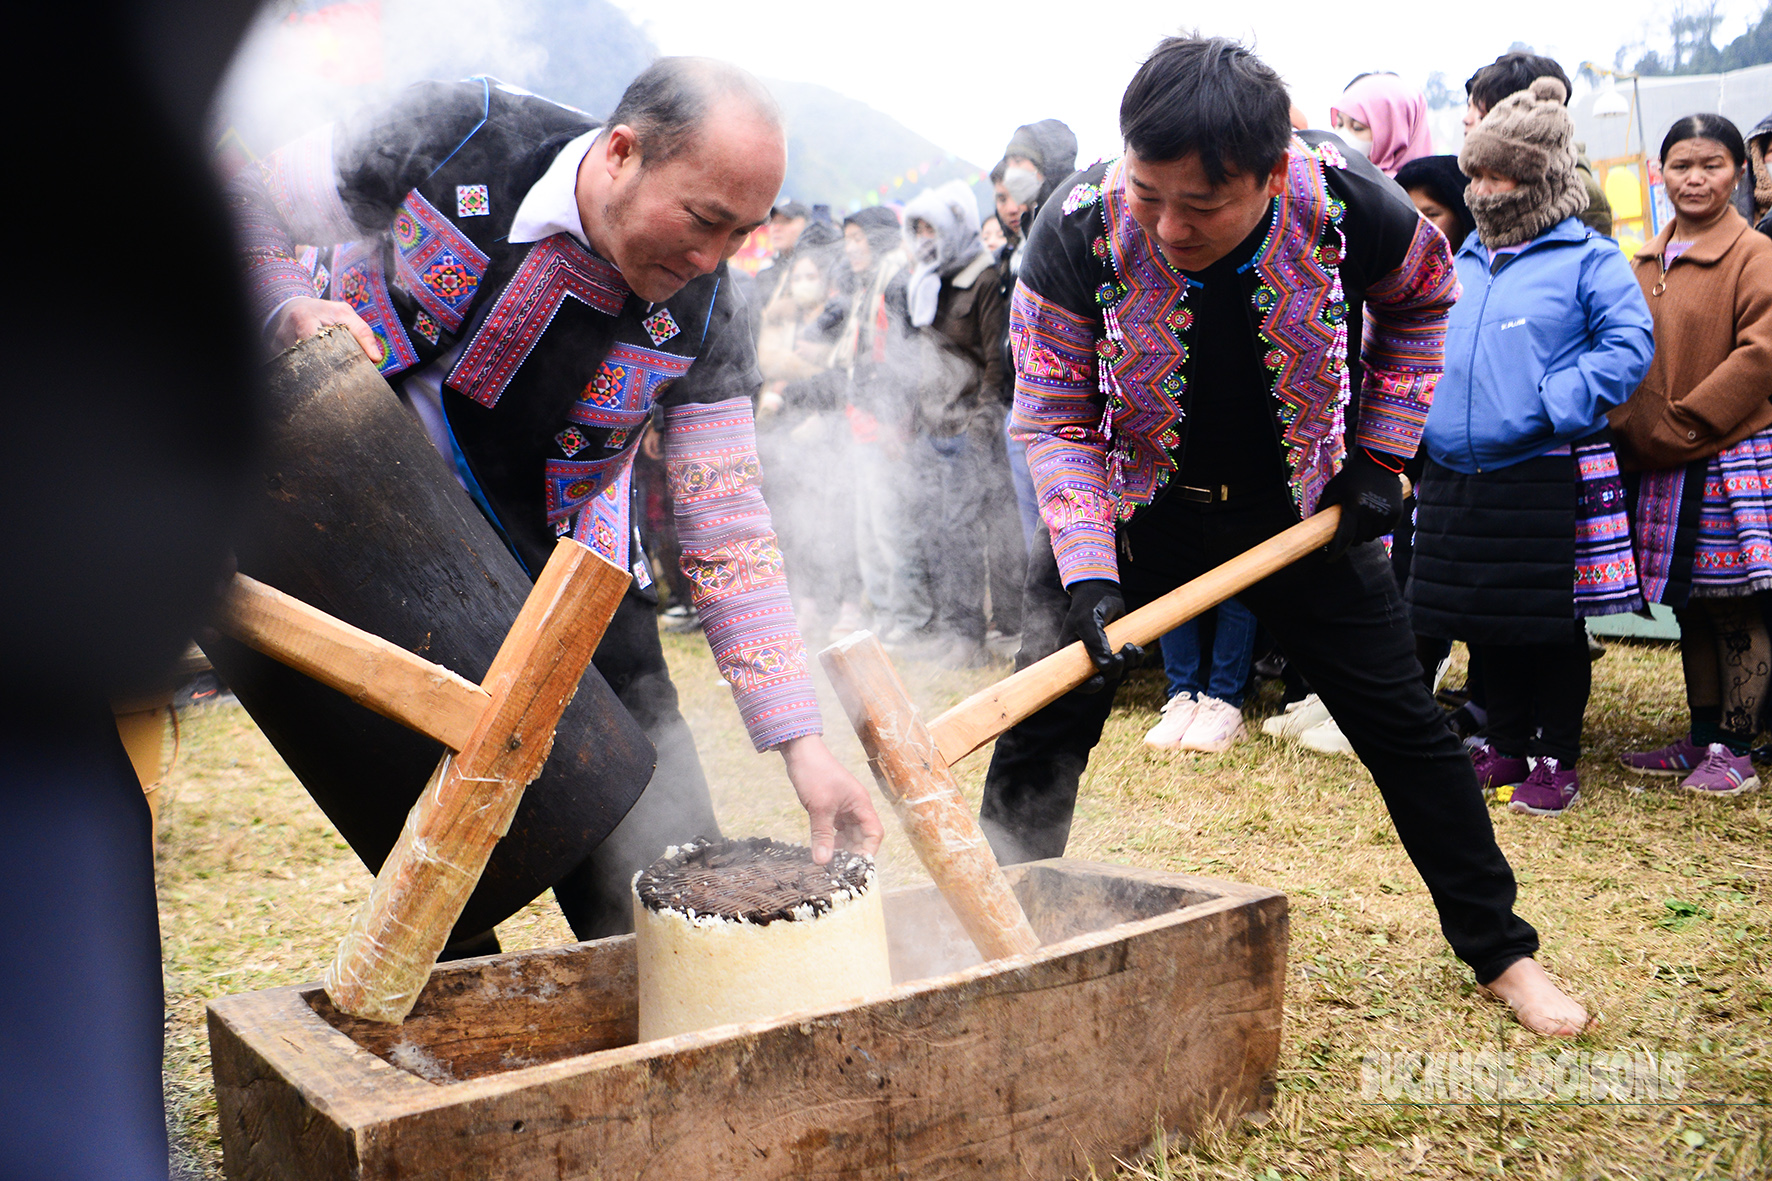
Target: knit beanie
1529	137
881	225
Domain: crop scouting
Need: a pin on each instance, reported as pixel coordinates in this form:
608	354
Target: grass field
1651	907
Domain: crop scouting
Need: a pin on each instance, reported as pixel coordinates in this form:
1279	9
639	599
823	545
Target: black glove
1095	603
1371	500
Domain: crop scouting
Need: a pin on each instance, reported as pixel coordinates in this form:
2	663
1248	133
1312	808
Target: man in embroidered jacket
532	284
1228	328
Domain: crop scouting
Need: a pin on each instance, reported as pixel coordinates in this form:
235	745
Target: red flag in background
340	43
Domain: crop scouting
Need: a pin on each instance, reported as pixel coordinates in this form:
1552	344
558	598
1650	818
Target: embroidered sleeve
1405	343
344	182
1058	412
289	197
735	570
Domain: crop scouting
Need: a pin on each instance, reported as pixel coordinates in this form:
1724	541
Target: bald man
532	285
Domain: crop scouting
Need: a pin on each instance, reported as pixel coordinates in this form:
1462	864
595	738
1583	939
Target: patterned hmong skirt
1606	577
1705	530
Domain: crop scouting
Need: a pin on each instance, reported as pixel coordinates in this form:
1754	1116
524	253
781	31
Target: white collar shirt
551	205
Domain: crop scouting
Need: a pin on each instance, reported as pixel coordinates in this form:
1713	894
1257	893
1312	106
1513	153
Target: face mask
808	292
1022	184
1360	147
927	249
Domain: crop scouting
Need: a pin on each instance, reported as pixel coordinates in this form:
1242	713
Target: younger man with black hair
1226	329
1511	73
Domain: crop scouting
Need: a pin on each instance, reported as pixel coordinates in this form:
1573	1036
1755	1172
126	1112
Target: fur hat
1528	136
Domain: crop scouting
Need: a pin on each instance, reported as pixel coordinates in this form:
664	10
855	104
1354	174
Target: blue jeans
1027	503
1233	648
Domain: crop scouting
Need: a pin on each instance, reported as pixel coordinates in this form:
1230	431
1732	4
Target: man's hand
301	318
1095	603
842	814
1371	500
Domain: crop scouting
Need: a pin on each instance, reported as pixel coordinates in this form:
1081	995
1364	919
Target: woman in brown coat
1695	444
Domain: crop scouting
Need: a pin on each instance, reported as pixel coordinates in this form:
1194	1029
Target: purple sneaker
1677	758
1550	790
1495	769
1722	774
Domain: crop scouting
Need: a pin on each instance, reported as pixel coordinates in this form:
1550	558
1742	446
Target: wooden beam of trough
987	713
936	817
377	675
384	960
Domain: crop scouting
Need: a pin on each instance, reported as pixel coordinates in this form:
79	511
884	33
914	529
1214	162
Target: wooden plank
936	817
375	674
292	1092
353	511
1048	1065
983	716
383	961
509	1012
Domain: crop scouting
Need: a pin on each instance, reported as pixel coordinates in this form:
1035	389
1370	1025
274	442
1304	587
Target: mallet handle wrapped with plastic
385	959
987	713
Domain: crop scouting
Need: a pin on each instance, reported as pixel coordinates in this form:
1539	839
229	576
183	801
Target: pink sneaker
1550	790
1676	758
1722	774
1495	769
1217	725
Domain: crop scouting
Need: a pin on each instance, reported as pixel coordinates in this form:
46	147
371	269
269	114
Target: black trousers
674	808
949	510
1344	625
80	1049
1537	695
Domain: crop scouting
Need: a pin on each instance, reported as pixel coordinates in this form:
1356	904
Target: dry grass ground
1652	908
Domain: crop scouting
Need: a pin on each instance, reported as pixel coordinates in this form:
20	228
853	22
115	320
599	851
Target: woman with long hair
1696	443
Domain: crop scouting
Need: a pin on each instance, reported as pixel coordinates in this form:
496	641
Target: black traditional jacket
552	364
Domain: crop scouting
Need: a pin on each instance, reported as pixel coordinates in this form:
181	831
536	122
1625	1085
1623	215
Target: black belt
1218	493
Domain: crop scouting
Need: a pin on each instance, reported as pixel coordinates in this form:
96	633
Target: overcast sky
965	73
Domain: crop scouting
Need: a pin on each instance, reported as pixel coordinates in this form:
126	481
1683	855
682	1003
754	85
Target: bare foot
1537	1003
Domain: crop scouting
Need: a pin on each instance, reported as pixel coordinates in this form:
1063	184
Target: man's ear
621	149
1276	180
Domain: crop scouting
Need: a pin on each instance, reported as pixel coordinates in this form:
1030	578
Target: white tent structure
1622	121
1743	96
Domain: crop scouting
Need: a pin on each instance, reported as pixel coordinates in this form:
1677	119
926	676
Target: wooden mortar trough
1154	1002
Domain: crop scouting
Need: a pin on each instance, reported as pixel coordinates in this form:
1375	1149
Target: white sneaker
1326	738
848	622
1296	719
1178	711
1216	726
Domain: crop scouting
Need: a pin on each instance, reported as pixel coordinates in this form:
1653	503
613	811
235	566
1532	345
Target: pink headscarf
1397	116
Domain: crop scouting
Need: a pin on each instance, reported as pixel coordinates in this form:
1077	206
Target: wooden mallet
912	760
498	733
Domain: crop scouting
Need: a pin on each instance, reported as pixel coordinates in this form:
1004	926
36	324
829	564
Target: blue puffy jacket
1537	352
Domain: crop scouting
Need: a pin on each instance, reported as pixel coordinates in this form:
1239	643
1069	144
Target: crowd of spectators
903	500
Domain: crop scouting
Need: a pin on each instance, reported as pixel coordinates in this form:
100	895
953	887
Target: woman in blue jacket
1521	530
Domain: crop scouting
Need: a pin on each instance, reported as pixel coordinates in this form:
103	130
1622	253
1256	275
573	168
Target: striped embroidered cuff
1393	411
274	275
736	575
302	183
1070	476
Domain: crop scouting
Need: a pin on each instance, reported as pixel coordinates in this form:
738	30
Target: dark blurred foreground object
129	425
356	514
